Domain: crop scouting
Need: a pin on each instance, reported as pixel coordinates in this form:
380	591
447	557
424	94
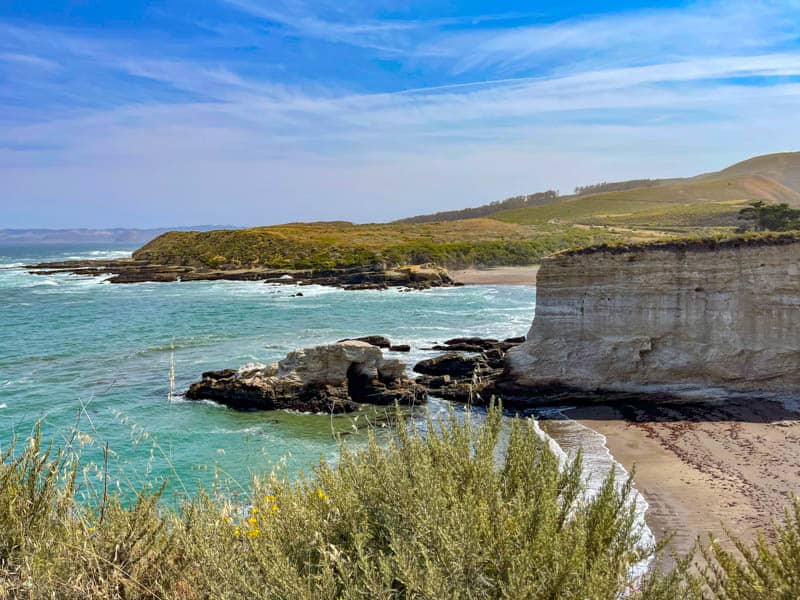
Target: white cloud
248	150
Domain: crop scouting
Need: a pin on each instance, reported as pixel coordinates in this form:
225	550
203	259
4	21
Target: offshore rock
475	378
329	378
369	277
667	316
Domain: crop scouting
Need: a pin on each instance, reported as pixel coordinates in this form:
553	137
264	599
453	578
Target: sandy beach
497	276
735	462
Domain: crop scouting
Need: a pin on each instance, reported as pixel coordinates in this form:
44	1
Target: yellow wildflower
237	531
322	495
274	509
254	510
269	499
91	529
253	533
252	520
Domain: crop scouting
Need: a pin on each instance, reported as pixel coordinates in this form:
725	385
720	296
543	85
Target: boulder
453	364
329	378
379	341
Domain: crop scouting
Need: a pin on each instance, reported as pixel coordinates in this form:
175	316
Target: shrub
459	511
430	516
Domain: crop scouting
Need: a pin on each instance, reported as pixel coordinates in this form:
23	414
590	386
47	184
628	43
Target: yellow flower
269	499
237	531
274	509
254	510
322	495
253	533
252	520
91	529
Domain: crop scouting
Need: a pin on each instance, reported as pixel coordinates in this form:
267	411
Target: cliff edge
699	313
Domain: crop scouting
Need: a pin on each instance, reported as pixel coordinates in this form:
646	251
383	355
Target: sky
254	112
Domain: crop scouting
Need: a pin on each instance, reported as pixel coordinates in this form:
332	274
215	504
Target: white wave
598	462
14	265
96	254
3	405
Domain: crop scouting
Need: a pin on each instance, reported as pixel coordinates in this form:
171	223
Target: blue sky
251	112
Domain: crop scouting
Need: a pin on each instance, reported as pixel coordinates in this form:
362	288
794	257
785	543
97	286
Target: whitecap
3	405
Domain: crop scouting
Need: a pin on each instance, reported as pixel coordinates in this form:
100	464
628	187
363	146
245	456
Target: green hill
516	231
701	203
783	168
481	242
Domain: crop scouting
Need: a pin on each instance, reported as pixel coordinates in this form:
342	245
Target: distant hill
783	168
516	231
116	235
701	203
538	199
706	200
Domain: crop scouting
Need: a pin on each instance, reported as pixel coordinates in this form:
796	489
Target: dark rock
400	348
367	277
474	379
379	341
451	364
330	378
459	348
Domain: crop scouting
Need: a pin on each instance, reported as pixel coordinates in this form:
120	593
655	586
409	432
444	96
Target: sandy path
735	462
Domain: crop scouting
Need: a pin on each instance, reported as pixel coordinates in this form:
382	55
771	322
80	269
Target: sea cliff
667	315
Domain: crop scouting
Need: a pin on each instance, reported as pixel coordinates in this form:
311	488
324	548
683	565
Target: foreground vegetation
464	511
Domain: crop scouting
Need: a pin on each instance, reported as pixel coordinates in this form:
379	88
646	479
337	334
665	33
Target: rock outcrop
666	316
329	378
472	378
371	277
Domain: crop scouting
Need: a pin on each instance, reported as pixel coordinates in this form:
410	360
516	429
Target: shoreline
497	276
733	463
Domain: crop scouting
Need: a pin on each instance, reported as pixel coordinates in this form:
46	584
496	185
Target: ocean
77	350
94	363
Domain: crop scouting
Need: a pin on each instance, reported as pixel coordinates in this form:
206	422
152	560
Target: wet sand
497	276
735	462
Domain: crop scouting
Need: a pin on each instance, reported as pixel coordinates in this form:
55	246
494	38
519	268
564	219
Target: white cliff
694	313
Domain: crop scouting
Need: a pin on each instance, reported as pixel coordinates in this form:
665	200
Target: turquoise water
78	350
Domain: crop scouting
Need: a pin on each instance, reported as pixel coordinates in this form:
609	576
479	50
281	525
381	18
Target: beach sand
735	462
497	276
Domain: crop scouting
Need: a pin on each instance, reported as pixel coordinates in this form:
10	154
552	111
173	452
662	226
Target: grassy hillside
783	168
711	202
516	231
481	242
485	210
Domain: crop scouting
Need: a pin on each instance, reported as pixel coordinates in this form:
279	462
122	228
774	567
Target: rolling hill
706	200
517	231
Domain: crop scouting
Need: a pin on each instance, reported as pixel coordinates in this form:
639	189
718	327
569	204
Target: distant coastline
112	235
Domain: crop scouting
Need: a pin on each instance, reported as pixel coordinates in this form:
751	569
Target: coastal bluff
668	315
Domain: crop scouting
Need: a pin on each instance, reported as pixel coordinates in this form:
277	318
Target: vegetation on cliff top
479	242
422	516
728	239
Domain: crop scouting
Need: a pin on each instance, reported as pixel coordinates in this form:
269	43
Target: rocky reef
666	317
373	277
470	370
329	378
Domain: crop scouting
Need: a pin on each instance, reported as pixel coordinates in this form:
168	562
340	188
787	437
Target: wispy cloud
502	110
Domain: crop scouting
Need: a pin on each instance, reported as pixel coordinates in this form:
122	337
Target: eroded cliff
702	314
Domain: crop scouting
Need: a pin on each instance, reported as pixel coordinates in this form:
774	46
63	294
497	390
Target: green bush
461	511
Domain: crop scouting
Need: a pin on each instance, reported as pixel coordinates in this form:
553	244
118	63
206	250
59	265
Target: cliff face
724	316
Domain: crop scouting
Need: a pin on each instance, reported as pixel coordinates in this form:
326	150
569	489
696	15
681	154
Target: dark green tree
770	217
